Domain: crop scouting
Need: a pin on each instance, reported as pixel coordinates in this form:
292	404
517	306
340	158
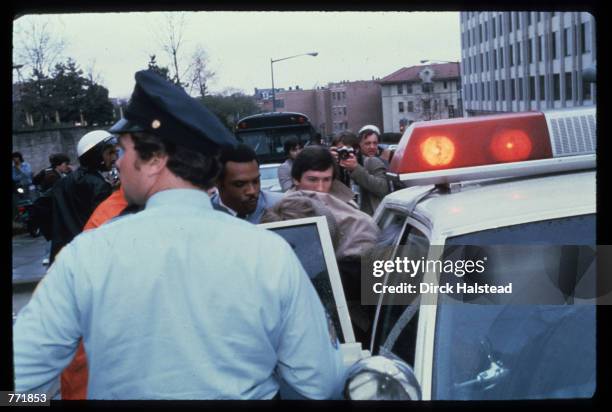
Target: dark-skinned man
238	184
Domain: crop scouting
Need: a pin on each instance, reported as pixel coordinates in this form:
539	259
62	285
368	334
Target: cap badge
155	124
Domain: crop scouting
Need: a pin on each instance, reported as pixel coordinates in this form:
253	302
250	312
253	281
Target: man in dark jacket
76	196
42	209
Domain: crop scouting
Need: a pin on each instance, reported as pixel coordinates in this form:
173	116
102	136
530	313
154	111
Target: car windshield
268	173
528	350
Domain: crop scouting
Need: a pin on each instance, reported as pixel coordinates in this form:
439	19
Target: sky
350	45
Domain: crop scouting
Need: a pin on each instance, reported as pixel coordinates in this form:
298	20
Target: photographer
358	161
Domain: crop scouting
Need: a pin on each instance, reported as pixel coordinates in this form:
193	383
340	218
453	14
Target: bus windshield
267	133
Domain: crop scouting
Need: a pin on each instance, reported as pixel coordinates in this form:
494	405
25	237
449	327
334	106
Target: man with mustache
238	184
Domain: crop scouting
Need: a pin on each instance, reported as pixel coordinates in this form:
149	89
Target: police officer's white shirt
179	301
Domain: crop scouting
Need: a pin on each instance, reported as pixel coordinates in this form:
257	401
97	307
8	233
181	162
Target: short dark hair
58	158
312	158
195	167
347	138
290	144
242	153
17	154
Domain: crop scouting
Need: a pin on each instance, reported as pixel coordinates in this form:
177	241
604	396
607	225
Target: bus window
267	133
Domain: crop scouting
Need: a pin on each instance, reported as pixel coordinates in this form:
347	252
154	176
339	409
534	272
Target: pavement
28	254
28	270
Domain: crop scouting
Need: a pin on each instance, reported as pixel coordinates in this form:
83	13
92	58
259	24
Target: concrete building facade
355	104
335	108
418	93
520	61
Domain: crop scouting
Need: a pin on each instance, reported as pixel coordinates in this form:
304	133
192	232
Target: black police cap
160	107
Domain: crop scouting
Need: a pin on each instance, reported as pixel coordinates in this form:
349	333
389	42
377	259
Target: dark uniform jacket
74	199
41	212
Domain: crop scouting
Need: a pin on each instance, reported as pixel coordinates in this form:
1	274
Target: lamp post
460	101
272	61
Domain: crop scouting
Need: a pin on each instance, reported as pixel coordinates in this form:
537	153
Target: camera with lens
345	152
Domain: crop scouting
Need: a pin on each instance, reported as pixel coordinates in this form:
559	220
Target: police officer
178	301
75	197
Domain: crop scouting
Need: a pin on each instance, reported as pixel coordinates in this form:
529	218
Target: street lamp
272	61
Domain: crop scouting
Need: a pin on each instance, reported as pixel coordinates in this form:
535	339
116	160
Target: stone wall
36	146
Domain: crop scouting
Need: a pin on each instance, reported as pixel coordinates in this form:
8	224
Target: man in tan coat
314	177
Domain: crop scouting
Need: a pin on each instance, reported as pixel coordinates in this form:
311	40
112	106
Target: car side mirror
381	378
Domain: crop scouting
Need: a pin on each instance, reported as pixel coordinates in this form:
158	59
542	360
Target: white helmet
91	139
369	127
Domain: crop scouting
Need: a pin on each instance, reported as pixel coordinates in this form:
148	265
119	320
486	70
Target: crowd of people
161	286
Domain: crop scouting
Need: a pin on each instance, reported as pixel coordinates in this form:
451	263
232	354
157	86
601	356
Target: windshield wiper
490	377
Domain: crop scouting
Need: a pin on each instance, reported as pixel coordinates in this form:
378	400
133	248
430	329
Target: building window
485	63
499	24
426	105
568	86
542	88
344	95
586	90
583	40
538	16
446	85
502	90
494	91
540	48
494	29
427	87
510	55
409	88
486	34
435	108
568	42
487	93
410	107
445	102
512	91
532	88
400	89
344	110
520	88
530	50
518	53
494	60
529	18
554	45
556	87
501	58
401	107
515	19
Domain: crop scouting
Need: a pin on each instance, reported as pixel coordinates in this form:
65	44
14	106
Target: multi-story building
355	104
335	108
420	93
519	61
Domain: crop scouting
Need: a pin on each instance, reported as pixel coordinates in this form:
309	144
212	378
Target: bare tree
173	32
199	74
36	45
92	74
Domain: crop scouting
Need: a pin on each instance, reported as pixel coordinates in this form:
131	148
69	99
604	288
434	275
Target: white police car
516	191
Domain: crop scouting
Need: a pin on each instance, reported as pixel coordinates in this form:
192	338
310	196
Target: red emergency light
475	141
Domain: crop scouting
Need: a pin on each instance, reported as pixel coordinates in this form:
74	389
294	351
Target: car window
398	323
268	173
305	241
528	350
